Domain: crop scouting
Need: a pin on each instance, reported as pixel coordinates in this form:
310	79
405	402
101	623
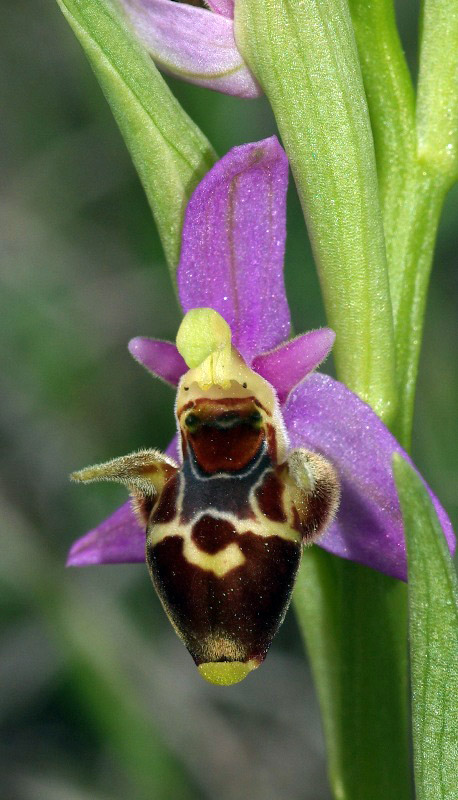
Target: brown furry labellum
226	529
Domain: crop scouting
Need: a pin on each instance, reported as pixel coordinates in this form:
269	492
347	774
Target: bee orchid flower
193	43
265	441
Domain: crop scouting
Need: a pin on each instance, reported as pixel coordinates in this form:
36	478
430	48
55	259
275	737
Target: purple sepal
192	43
224	7
160	358
119	539
289	364
323	415
173	450
233	246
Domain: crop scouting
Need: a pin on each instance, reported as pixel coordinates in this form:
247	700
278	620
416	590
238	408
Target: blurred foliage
99	699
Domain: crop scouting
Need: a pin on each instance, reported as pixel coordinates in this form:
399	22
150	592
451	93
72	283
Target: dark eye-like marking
186	388
191	421
255	418
244	385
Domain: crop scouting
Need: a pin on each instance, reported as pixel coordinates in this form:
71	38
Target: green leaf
433	627
304	55
353	620
169	151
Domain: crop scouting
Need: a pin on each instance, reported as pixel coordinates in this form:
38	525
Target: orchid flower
232	263
193	43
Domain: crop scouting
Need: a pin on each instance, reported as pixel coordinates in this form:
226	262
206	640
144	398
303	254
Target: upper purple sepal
233	246
323	415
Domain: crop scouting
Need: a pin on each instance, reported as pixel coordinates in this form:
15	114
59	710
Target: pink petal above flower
288	364
233	245
160	358
192	43
323	415
224	7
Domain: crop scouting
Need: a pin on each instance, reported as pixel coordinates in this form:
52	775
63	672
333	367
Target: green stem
414	244
437	103
391	101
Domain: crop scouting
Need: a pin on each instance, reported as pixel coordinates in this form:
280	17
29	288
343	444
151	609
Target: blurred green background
99	700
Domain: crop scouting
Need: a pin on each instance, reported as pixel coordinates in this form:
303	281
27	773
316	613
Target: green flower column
354	620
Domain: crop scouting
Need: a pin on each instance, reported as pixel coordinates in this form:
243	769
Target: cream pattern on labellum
225	530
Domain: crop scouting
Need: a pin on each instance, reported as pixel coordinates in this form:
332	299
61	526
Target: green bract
170	153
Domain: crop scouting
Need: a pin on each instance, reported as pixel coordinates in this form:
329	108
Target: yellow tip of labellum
225	673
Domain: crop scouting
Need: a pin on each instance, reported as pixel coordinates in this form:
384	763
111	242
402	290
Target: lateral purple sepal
233	246
160	358
193	44
224	7
289	364
117	540
174	449
323	415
